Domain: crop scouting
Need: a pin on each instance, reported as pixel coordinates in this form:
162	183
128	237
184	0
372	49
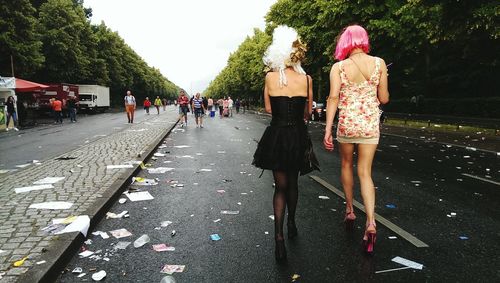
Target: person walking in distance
57	107
164	103
210	105
72	105
285	147
198	108
230	104
183	102
130	106
358	84
147	104
237	105
157	104
220	102
11	113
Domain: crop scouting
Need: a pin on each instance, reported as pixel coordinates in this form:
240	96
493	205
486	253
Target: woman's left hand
328	141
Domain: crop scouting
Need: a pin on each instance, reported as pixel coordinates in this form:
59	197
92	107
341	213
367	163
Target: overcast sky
188	40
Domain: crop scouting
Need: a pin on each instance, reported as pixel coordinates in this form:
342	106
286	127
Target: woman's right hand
328	141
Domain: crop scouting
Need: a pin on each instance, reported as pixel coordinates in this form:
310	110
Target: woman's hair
352	37
286	50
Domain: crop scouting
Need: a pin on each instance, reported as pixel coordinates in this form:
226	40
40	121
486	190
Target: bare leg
366	153
346	175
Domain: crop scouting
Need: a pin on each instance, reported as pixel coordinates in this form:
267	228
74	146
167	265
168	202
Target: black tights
285	195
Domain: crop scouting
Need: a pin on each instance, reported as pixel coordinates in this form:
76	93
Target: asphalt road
49	140
419	185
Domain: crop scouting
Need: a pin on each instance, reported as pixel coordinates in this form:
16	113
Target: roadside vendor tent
27	86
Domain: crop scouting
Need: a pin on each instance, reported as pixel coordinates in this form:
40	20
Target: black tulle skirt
287	148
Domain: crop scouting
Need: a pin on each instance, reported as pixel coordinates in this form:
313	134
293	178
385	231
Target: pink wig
353	37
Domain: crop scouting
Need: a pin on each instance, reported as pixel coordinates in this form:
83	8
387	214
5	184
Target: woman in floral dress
358	84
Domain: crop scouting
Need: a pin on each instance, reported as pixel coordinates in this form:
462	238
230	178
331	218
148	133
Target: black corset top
287	111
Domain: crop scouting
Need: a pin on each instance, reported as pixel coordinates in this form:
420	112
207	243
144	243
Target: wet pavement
446	196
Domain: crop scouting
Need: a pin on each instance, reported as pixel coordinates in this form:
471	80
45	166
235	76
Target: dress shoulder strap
343	75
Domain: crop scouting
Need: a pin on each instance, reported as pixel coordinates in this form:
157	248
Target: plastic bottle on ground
141	241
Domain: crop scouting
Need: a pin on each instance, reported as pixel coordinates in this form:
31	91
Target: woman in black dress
285	147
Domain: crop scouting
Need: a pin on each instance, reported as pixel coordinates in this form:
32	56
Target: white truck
93	98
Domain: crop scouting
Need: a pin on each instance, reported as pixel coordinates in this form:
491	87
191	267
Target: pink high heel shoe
369	238
349	220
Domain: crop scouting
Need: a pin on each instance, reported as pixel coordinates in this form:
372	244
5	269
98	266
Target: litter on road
120	233
215	237
138	181
408	263
98	276
86	253
33	188
114	215
165	223
77	224
181	146
230	212
159	170
139	196
52	205
20	262
122	245
122	200
323	197
170	269
141	241
163	248
390	205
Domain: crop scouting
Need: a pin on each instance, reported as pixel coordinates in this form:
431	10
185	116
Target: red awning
27	86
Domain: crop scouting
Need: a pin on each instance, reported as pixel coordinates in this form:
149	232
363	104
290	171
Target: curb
67	244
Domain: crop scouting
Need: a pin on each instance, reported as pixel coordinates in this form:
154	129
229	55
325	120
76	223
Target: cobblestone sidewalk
86	179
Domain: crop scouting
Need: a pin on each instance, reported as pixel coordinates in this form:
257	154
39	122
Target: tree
19	39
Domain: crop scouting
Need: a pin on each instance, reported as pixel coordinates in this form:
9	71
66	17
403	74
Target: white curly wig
278	55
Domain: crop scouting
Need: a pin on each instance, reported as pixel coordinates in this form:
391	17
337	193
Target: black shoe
292	231
280	251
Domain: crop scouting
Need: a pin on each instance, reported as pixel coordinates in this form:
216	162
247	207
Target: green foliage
63	46
439	48
18	38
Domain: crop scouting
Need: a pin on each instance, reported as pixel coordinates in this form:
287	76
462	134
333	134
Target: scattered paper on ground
163	248
121	166
181	146
114	215
407	262
205	170
86	253
80	224
48	180
231	212
170	269
143	181
323	197
159	170
159	154
215	237
120	233
33	188
139	196
122	245
52	205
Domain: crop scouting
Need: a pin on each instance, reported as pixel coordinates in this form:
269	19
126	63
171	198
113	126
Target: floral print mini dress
359	114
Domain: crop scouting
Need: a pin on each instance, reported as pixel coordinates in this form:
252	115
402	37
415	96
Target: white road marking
482	179
393	227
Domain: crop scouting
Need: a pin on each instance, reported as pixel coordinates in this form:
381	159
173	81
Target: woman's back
296	84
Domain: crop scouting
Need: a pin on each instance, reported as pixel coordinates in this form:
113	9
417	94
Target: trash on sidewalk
120	166
114	215
122	200
159	154
159	170
185	156
463	237
33	188
295	277
390	205
163	248
20	262
52	205
141	241
392	237
271	216
408	263
221	191
170	269
215	237
120	233
103	235
217	220
230	212
98	276
48	180
205	170
81	275
323	197
122	245
40	262
173	233
139	196
75	224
